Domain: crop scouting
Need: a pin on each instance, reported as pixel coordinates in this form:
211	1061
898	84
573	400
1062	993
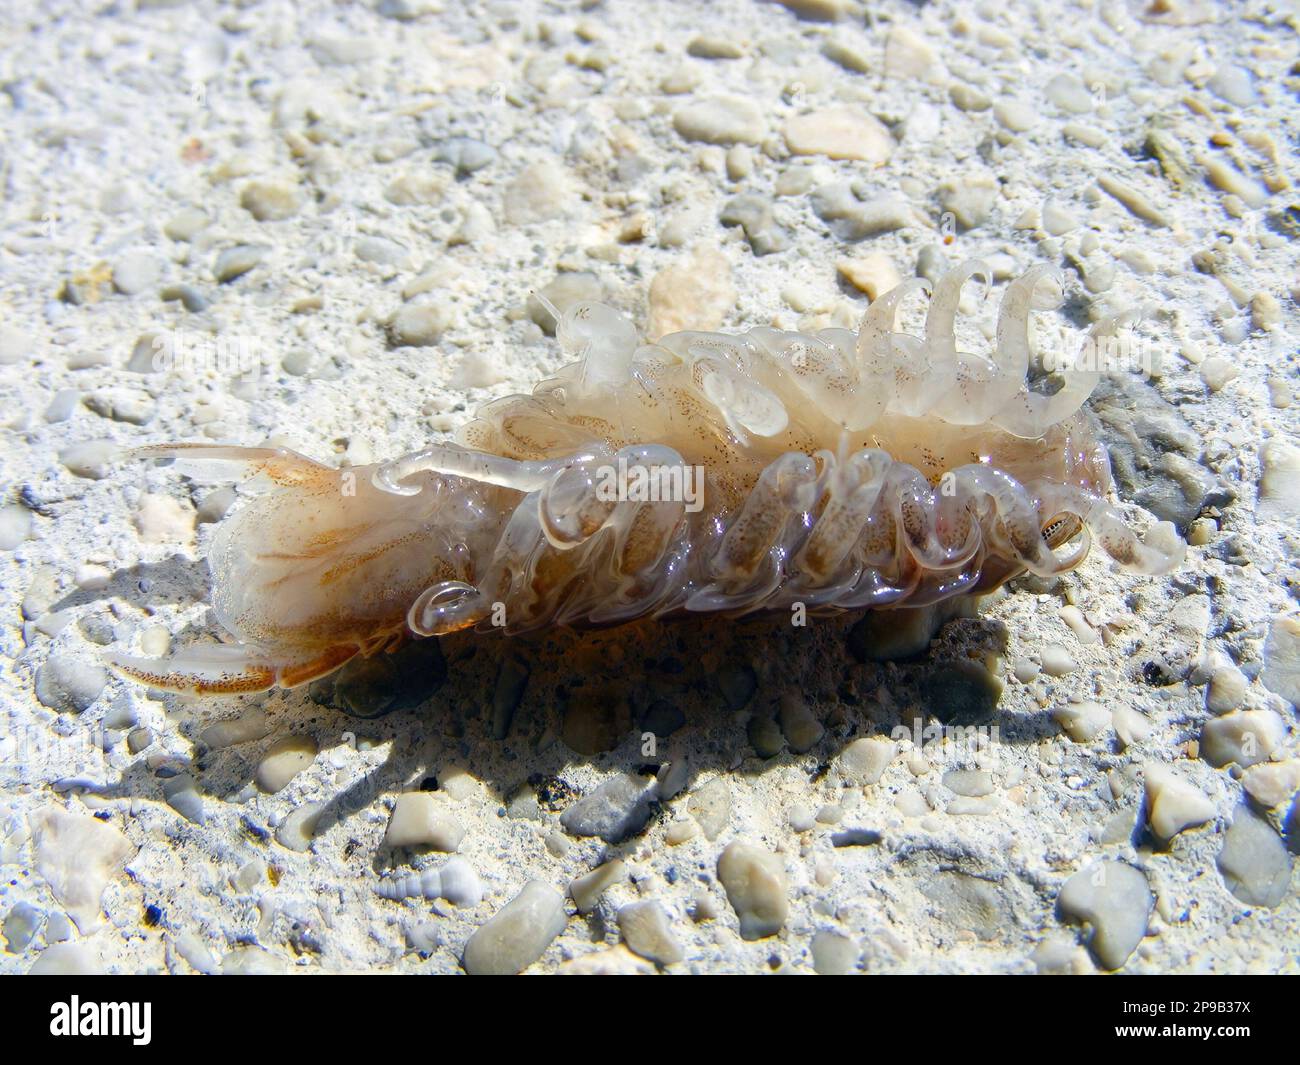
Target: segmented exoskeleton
840	470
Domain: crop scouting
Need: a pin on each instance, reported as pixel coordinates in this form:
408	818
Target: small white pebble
1226	690
92	577
1057	220
1173	804
757	888
1217	372
1025	669
1056	660
1082	721
1078	624
155	641
283	761
419	820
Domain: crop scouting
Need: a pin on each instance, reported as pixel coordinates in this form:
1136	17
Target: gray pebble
865	760
754	215
465	154
737	682
968	98
856	837
1232	85
540	192
672	778
67	959
817	10
476	225
1245	737
407	10
647	931
1016	115
846	55
1070	94
724	120
269	201
970	199
972	783
382	251
133	409
512	679
145	355
135	271
714	48
1281	673
186	224
662	718
765	735
740	162
587	889
283	761
20	927
853	219
1115	900
237	261
187	295
68	683
617	809
801	729
183	795
15	345
418	325
58	928
518	934
97	629
834	954
1254	861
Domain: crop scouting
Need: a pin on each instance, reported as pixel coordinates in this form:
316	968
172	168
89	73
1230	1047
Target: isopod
700	473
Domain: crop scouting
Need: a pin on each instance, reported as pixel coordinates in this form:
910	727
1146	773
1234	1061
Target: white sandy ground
119	118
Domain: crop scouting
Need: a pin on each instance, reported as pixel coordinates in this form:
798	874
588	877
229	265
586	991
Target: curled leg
1012	523
746	565
454	461
937	526
983	386
447	607
747	406
1029	414
852	486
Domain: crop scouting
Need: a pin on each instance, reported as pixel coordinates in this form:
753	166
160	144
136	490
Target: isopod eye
1061	529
